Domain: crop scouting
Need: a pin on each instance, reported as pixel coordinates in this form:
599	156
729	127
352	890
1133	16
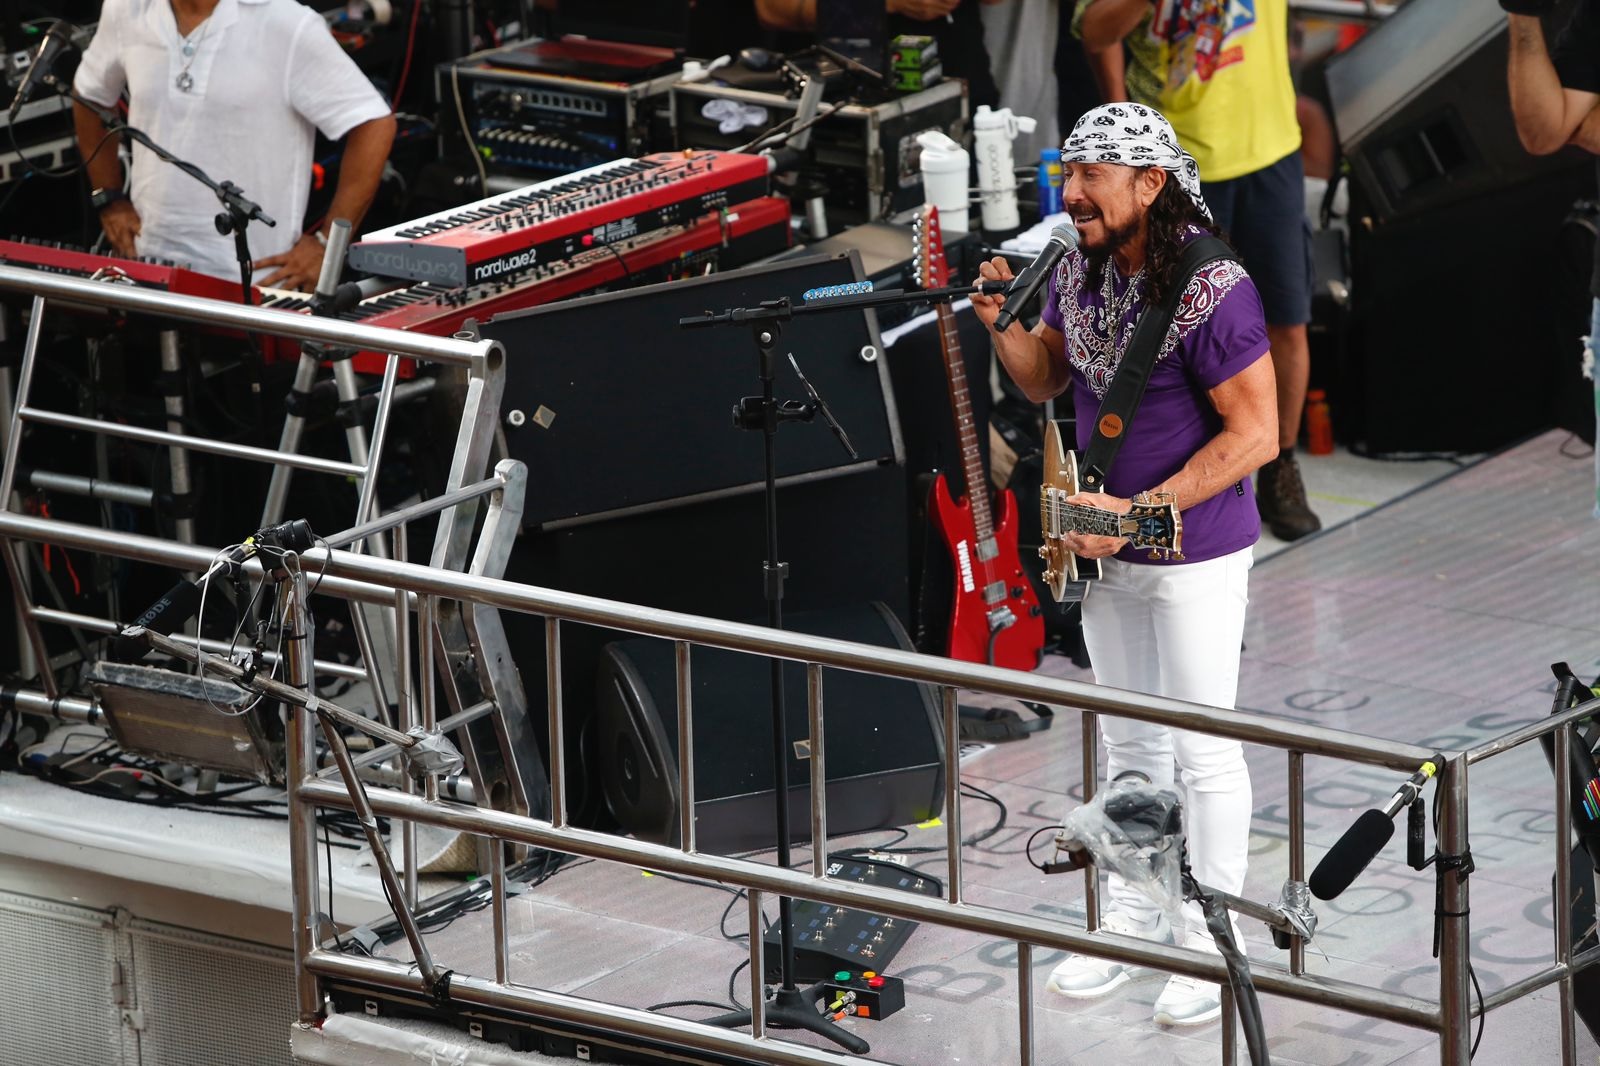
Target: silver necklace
190	48
1114	309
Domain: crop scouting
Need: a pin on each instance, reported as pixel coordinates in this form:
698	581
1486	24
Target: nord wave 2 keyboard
730	238
559	218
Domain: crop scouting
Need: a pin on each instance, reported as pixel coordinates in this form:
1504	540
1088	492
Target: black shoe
1281	498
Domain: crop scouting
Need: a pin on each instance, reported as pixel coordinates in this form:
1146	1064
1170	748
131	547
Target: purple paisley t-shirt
1218	331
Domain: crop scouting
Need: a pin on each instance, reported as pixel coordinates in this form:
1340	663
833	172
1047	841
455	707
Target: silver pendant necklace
191	47
1115	309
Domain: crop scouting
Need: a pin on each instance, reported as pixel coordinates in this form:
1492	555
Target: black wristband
104	198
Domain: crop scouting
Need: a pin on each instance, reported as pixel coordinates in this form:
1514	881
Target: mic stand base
790	1008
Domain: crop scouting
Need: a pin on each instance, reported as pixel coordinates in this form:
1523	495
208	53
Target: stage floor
1432	619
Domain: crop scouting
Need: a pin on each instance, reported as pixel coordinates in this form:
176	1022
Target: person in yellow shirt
1219	71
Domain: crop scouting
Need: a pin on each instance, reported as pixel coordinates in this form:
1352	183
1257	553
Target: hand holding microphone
1063	238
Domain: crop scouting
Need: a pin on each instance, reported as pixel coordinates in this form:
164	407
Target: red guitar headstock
927	249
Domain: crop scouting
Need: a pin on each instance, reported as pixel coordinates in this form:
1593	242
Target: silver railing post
1561	899
819	773
952	791
177	457
1025	1003
300	761
558	733
1455	949
1297	846
1091	784
686	820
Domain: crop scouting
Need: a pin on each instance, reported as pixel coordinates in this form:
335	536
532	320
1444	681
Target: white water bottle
992	134
945	165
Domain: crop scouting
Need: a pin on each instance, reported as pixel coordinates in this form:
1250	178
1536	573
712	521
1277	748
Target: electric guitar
1156	526
994	616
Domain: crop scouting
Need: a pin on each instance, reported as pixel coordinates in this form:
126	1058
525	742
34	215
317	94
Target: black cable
1481	1015
733	977
1027	849
691	1003
1565	454
977	838
46	172
327	843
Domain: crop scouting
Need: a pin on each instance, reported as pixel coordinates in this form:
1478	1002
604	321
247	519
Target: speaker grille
57	971
203	995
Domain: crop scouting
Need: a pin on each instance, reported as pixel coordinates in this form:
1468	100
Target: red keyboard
738	235
560	218
57	258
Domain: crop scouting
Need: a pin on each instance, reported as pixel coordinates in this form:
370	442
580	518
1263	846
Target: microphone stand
237	211
790	1007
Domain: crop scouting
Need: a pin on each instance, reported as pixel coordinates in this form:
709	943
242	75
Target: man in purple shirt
1208	418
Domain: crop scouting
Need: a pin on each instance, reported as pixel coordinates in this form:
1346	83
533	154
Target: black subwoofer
885	750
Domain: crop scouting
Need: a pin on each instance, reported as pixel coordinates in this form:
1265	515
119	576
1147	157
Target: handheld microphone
1063	239
1362	841
57	39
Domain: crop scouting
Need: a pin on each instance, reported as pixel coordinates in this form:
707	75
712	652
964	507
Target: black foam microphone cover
1345	861
165	615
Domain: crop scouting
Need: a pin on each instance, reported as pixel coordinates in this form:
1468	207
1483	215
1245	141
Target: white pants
1175	631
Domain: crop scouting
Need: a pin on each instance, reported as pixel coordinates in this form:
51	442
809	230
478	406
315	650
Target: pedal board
830	939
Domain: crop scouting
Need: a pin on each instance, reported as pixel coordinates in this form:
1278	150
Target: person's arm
1110	70
1034	360
366	149
1248	404
789	15
1547	114
98	146
1587	135
1107	22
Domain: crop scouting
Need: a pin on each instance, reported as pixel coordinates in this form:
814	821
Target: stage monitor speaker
1421	107
885	748
616	410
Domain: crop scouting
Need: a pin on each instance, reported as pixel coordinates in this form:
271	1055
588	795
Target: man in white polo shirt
238	88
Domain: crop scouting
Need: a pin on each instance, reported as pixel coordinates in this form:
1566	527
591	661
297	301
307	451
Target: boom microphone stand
790	1007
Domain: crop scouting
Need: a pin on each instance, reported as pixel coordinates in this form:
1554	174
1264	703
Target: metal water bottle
992	134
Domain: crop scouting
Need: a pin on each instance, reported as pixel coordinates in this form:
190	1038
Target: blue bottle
1049	182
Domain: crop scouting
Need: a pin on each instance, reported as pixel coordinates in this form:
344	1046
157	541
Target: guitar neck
1081	518
955	368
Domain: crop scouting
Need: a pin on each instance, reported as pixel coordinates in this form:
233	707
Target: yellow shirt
1219	71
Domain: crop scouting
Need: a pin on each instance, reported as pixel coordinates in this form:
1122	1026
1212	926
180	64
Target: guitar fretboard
1081	518
966	429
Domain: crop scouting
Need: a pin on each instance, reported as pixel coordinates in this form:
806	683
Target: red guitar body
994	614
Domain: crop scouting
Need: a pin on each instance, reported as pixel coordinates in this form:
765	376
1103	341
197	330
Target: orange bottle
1319	423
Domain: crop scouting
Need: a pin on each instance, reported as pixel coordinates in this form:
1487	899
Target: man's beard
1116	240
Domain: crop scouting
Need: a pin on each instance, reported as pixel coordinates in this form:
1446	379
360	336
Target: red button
874	982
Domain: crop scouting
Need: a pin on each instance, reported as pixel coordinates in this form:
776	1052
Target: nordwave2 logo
505	264
405	262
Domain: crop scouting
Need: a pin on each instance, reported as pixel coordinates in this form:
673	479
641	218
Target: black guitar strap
1133	373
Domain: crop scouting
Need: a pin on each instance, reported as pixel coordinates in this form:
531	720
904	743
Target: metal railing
422	588
481	358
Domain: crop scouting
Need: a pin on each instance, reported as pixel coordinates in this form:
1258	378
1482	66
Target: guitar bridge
1001	618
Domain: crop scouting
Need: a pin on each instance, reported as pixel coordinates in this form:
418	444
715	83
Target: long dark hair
1167	227
1170	218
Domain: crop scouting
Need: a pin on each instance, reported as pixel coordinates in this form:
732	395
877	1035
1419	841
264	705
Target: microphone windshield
1345	861
1066	233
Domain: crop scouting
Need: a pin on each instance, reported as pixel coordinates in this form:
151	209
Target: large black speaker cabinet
885	749
1421	107
1465	339
616	410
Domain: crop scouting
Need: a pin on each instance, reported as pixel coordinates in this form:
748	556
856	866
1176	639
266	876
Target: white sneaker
1085	977
1188	1001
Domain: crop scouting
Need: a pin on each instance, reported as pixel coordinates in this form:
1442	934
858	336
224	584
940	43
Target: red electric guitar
994	617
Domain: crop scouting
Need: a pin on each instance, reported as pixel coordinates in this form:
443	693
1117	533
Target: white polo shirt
262	75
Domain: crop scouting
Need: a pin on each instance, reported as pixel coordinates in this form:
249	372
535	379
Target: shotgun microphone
1362	841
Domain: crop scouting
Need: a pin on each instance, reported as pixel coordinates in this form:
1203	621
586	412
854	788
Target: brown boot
1281	498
